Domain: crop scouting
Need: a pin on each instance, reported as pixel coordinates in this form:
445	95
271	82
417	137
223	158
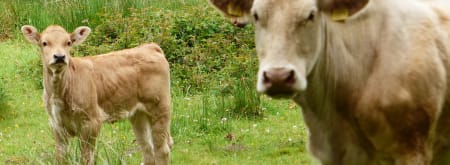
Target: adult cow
82	92
371	76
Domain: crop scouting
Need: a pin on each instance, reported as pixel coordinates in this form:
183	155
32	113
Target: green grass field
217	116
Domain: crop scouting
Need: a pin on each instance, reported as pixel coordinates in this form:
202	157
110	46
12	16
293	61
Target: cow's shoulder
152	47
81	64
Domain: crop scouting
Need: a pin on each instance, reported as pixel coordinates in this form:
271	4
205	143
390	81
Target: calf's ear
31	34
340	10
237	10
79	35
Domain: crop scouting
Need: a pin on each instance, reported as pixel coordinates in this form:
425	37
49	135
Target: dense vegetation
218	118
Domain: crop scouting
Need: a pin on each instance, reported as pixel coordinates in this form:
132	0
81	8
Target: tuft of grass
246	101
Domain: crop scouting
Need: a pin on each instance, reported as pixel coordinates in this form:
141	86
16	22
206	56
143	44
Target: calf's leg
141	128
61	138
161	142
160	126
89	133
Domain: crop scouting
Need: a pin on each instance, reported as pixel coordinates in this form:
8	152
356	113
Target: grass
69	14
218	118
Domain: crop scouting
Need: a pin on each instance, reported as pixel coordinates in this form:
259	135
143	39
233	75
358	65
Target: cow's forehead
53	28
285	4
284	7
55	34
276	13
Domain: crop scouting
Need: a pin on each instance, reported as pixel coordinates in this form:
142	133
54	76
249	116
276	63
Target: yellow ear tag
231	10
340	14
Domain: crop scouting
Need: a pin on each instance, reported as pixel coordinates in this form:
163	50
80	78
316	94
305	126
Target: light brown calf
372	76
80	93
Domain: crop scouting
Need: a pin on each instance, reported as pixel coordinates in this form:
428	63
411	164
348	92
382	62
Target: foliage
201	51
69	14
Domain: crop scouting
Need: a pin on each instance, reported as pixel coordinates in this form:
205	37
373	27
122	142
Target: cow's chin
58	67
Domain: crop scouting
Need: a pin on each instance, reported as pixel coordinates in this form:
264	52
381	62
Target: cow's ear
31	34
340	10
79	35
237	10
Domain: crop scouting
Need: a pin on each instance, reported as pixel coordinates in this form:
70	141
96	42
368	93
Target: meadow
218	118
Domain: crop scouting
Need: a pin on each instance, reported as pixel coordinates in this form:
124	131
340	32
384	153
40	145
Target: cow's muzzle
59	58
279	82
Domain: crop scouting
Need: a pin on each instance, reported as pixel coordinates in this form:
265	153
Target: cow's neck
341	71
56	82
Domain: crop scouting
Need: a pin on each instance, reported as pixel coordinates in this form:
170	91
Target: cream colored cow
80	93
371	76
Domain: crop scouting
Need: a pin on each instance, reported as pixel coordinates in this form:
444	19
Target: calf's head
55	44
289	37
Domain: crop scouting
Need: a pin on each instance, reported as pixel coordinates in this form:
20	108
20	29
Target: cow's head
290	36
55	44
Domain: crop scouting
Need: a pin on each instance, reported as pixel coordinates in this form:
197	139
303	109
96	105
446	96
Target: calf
371	76
80	93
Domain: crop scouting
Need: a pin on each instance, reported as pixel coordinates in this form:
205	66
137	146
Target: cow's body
117	83
84	92
376	82
378	90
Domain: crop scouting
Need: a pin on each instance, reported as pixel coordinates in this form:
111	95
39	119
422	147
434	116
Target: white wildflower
223	120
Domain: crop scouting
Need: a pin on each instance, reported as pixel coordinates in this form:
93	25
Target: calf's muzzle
59	58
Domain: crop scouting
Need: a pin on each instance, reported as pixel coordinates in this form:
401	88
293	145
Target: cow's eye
44	43
255	16
69	43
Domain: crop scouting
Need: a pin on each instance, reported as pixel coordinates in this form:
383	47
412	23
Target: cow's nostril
291	77
59	58
266	79
279	82
279	76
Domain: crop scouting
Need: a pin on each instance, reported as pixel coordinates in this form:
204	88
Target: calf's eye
69	43
44	43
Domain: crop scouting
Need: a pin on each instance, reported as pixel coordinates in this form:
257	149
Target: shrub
200	51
